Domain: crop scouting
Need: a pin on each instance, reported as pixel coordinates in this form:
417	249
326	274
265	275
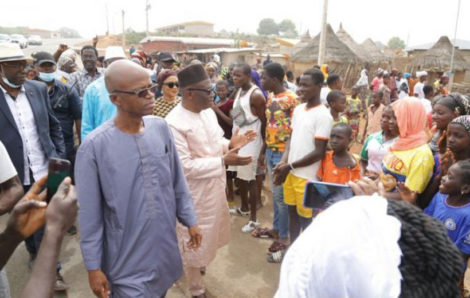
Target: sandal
276	257
277	246
242	213
264	233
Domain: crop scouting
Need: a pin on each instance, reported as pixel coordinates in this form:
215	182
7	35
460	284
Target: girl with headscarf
444	111
457	149
410	161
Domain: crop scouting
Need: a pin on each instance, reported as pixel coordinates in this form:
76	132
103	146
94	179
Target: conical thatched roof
438	57
336	51
373	51
349	41
304	40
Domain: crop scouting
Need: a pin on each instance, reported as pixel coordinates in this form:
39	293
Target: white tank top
252	148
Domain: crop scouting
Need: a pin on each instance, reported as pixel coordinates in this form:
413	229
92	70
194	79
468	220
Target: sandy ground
239	270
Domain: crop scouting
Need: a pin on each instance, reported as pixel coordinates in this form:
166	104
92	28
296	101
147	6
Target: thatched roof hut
339	57
375	54
304	40
349	41
437	58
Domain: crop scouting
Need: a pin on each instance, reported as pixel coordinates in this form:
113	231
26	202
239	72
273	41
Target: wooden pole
451	79
322	45
123	31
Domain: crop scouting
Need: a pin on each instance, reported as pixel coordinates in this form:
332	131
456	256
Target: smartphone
321	195
58	170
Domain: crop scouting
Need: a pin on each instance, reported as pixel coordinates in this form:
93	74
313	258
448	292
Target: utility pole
107	19
123	31
147	8
451	79
322	45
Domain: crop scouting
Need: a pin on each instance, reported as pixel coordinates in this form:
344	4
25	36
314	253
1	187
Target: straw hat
12	52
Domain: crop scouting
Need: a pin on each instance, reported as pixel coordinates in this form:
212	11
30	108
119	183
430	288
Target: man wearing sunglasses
131	191
204	153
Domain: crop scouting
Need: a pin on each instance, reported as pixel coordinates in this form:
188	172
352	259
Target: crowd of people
159	150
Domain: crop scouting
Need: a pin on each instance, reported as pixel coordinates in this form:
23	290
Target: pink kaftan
201	145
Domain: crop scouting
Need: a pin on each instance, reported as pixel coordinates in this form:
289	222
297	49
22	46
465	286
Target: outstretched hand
232	158
239	140
63	207
364	186
28	215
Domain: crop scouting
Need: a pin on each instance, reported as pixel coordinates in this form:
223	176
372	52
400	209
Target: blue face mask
47	77
10	84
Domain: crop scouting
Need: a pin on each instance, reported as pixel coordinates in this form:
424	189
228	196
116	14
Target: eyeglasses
208	91
172	84
139	93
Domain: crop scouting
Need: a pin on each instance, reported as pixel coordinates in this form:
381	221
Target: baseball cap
165	56
43	57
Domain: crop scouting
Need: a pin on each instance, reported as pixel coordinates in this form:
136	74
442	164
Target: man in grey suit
28	128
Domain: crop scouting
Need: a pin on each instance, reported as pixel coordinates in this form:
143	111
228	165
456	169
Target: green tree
267	27
287	28
396	43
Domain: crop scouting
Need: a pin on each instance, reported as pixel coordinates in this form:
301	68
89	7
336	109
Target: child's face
339	105
458	139
451	184
222	91
339	139
354	92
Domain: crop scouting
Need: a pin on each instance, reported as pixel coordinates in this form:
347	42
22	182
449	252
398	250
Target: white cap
419	74
114	52
11	52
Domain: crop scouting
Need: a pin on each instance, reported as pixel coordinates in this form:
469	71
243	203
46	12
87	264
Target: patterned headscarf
464	121
456	102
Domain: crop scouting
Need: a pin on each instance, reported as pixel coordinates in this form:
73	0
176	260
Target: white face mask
6	81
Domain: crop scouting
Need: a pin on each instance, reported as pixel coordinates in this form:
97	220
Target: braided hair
457	103
431	265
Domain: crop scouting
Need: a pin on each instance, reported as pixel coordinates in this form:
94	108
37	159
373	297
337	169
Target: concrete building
196	28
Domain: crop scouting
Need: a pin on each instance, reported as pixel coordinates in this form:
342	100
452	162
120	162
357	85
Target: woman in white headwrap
368	246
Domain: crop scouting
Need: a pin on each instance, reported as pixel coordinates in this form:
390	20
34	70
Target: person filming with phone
27	215
29	130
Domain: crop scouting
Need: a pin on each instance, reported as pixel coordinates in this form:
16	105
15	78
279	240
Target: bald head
125	75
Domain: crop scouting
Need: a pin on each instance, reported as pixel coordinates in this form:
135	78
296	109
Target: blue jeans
281	214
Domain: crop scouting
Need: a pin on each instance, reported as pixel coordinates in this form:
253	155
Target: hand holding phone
58	170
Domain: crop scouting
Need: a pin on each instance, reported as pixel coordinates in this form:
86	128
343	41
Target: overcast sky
415	21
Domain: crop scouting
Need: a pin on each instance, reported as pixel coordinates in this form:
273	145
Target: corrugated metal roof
220	50
190	40
186	24
461	45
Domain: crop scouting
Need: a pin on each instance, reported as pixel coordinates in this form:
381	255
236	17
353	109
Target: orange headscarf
411	119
